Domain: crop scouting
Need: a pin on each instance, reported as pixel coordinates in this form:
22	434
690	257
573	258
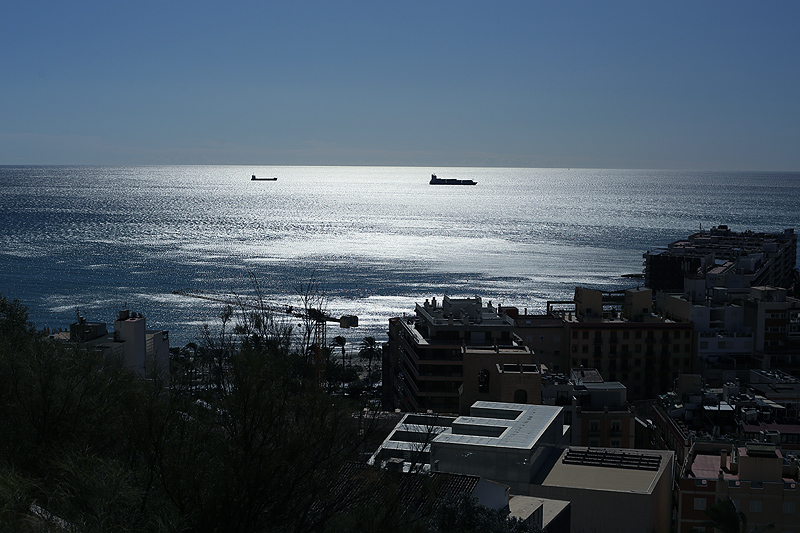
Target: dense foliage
244	439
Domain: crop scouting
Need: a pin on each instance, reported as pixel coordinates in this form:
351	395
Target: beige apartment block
758	477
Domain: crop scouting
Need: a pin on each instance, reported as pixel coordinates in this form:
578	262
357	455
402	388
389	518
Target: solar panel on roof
612	459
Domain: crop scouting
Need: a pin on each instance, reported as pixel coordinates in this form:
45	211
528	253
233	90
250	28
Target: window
788	507
755	506
616	443
594	427
616	427
520	396
483	381
699	504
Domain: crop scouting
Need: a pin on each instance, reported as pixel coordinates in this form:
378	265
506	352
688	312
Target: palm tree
725	517
340	341
370	350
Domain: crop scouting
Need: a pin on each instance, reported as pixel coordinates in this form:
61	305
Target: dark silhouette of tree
340	342
85	445
794	287
369	350
725	517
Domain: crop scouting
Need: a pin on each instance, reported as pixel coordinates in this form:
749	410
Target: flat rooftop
705	464
501	425
611	469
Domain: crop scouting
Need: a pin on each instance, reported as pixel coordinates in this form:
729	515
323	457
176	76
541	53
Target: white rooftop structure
501	425
504	442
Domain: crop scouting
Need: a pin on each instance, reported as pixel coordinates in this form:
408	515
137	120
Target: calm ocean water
377	239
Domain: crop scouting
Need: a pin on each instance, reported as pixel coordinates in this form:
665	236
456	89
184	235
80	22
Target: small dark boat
449	181
254	178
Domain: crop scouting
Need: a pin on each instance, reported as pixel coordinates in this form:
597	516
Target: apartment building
775	320
499	374
758	477
723	258
423	363
597	411
142	350
757	327
618	334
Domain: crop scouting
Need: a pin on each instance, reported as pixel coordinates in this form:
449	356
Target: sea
372	241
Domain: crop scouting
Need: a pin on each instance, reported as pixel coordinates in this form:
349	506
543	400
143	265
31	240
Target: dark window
483	381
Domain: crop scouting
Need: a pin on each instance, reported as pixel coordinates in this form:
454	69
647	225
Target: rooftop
463	312
609	469
501	425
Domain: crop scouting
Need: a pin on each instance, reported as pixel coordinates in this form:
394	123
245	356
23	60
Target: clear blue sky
640	84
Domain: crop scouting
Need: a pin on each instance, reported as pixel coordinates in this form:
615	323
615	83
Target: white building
143	351
504	442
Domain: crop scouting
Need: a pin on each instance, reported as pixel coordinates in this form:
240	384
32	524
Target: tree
369	350
463	514
794	288
725	517
313	300
86	445
341	342
71	435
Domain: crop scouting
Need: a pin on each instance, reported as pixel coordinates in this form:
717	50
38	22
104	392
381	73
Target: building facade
424	363
723	258
760	480
498	374
143	351
619	336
